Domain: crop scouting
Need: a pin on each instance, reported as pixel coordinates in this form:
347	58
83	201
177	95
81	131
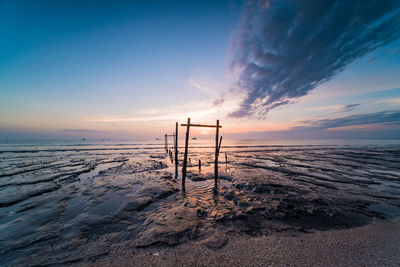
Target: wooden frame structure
217	148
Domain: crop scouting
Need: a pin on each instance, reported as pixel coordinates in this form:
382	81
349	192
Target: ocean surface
73	200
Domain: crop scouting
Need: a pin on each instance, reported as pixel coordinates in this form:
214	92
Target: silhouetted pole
216	155
176	149
186	153
199	165
166	143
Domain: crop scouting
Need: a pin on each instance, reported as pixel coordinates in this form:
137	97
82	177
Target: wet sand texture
376	244
77	205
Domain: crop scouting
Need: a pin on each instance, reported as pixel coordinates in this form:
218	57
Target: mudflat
78	203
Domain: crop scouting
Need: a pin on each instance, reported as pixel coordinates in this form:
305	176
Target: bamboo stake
166	142
176	149
216	155
186	153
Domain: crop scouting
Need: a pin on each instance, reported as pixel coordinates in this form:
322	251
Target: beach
200	133
376	244
119	203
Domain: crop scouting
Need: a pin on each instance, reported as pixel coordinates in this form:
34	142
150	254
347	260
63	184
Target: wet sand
376	244
85	203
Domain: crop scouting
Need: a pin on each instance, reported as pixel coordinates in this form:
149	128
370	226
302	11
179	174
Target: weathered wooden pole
166	143
216	155
176	149
185	155
199	164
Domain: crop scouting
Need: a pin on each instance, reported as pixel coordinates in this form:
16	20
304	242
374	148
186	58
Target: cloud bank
286	48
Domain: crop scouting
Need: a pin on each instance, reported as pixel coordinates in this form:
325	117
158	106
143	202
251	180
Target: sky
265	69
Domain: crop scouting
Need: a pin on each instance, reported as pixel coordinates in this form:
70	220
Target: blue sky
121	69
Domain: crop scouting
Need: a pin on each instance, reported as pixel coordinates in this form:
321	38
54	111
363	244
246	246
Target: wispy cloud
196	110
372	59
286	48
81	131
393	101
219	96
387	117
328	108
205	89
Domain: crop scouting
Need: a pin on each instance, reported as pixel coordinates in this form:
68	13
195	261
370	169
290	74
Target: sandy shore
377	244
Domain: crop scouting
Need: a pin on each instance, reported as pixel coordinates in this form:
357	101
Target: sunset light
199	133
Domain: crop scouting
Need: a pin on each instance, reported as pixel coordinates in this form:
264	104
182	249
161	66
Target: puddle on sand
78	204
108	206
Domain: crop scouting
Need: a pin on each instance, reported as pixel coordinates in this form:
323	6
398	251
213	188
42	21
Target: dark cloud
384	117
285	48
218	101
350	107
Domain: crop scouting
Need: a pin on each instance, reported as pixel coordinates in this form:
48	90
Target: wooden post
166	143
185	155
199	165
216	155
226	158
176	149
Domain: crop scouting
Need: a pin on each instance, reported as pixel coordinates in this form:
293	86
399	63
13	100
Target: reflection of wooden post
186	153
176	149
216	155
226	158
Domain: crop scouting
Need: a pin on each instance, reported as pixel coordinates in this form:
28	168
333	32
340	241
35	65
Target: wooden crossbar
202	125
